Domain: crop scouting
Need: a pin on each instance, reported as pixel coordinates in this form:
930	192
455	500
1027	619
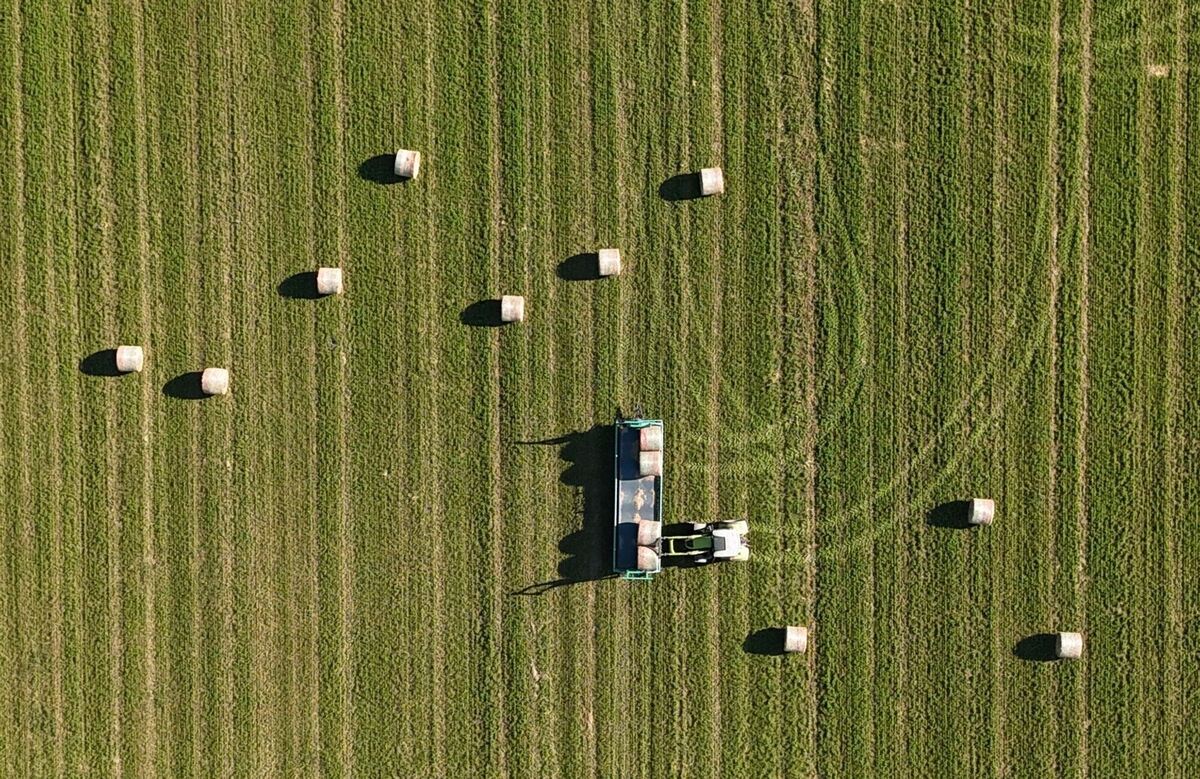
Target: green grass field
958	255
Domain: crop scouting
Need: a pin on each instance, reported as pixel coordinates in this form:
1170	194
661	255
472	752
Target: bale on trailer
648	532
795	639
647	559
329	281
512	308
408	163
650	463
712	181
650	438
609	261
214	381
130	359
981	511
1068	646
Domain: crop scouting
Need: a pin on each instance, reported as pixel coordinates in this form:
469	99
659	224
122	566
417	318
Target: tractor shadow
951	515
101	363
587	552
580	267
1038	648
681	186
300	286
483	313
767	641
380	169
185	386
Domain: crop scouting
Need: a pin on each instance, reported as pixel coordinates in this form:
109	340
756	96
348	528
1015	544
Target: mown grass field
958	255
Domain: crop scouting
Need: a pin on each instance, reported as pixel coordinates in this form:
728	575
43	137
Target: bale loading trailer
638	543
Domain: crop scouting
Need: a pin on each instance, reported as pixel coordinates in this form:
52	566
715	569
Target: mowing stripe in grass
1173	365
1084	211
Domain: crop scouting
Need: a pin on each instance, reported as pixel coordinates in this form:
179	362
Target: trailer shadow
587	551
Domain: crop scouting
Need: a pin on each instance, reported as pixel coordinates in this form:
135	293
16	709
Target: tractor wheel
698	527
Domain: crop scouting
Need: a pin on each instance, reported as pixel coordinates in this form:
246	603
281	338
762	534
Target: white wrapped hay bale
329	281
408	163
647	559
712	181
130	359
650	463
1068	646
651	438
214	381
609	261
795	639
981	511
648	532
512	308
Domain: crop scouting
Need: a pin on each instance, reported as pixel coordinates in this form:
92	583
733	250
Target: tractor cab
710	541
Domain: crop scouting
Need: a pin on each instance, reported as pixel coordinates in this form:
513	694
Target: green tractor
710	541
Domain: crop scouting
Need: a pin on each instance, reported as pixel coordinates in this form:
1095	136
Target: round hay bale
130	359
214	381
329	281
795	639
609	261
981	511
647	559
648	532
512	308
712	181
650	463
408	163
651	439
1068	646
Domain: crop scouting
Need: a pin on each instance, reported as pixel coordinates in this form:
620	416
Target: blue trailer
637	497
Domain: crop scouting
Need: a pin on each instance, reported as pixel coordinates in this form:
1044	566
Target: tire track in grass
1048	536
430	469
64	506
1080	577
196	549
244	506
797	197
345	536
228	234
1175	703
1146	719
146	718
1002	152
310	551
96	52
713	353
496	737
16	487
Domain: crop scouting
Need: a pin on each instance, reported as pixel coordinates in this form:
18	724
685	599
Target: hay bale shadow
482	313
101	363
185	386
1039	648
380	169
580	267
300	286
952	514
681	186
767	641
